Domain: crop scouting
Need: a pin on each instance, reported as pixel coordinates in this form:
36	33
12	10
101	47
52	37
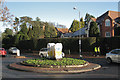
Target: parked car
13	50
3	52
113	56
44	52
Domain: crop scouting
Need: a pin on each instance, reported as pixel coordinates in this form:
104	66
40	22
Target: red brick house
107	23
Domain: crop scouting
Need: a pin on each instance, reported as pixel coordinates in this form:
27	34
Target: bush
62	62
88	44
68	44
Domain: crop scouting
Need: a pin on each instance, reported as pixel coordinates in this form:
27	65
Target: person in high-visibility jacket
96	50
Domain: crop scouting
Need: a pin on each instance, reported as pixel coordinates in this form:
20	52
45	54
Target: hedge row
68	44
72	44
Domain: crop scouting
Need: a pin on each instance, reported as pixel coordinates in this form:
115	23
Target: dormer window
107	22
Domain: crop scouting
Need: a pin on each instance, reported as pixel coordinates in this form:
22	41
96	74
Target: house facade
107	23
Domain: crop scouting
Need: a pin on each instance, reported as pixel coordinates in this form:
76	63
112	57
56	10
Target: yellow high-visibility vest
98	49
95	49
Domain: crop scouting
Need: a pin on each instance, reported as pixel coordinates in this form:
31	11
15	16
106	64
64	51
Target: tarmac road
110	71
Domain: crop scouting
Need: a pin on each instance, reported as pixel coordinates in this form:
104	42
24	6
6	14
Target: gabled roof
68	34
80	32
112	14
63	30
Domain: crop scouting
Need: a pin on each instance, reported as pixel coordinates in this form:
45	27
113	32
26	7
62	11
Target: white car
44	52
113	56
13	50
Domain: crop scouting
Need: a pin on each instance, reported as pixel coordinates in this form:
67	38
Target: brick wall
105	29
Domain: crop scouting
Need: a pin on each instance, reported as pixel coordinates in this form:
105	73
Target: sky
59	12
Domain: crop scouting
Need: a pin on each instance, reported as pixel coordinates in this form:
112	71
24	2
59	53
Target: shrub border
49	66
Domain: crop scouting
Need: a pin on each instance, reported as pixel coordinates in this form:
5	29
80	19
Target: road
110	71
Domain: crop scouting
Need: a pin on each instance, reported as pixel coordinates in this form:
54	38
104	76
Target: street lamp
79	33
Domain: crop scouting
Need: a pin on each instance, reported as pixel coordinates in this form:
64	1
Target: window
107	34
115	51
107	22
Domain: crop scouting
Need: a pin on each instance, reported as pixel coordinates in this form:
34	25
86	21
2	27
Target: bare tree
5	15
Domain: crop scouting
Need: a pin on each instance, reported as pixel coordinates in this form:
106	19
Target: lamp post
79	33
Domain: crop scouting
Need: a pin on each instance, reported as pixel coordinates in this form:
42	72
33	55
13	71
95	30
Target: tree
82	24
37	29
17	38
25	19
30	33
87	18
5	15
94	30
25	37
24	29
16	23
37	19
75	26
9	31
3	35
50	30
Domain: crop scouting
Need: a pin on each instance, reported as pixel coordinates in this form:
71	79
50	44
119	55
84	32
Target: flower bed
64	62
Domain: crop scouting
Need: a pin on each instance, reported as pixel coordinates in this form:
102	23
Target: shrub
62	62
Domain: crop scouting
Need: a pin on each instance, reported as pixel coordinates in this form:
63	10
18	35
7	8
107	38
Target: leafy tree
8	31
50	30
75	26
37	19
25	19
53	32
94	30
4	35
24	29
87	18
17	36
82	24
16	23
37	29
30	33
25	37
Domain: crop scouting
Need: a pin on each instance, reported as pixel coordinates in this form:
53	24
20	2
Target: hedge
70	44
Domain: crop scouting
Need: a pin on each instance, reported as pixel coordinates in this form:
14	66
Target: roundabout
66	65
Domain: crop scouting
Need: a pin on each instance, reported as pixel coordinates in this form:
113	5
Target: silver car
113	56
13	50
